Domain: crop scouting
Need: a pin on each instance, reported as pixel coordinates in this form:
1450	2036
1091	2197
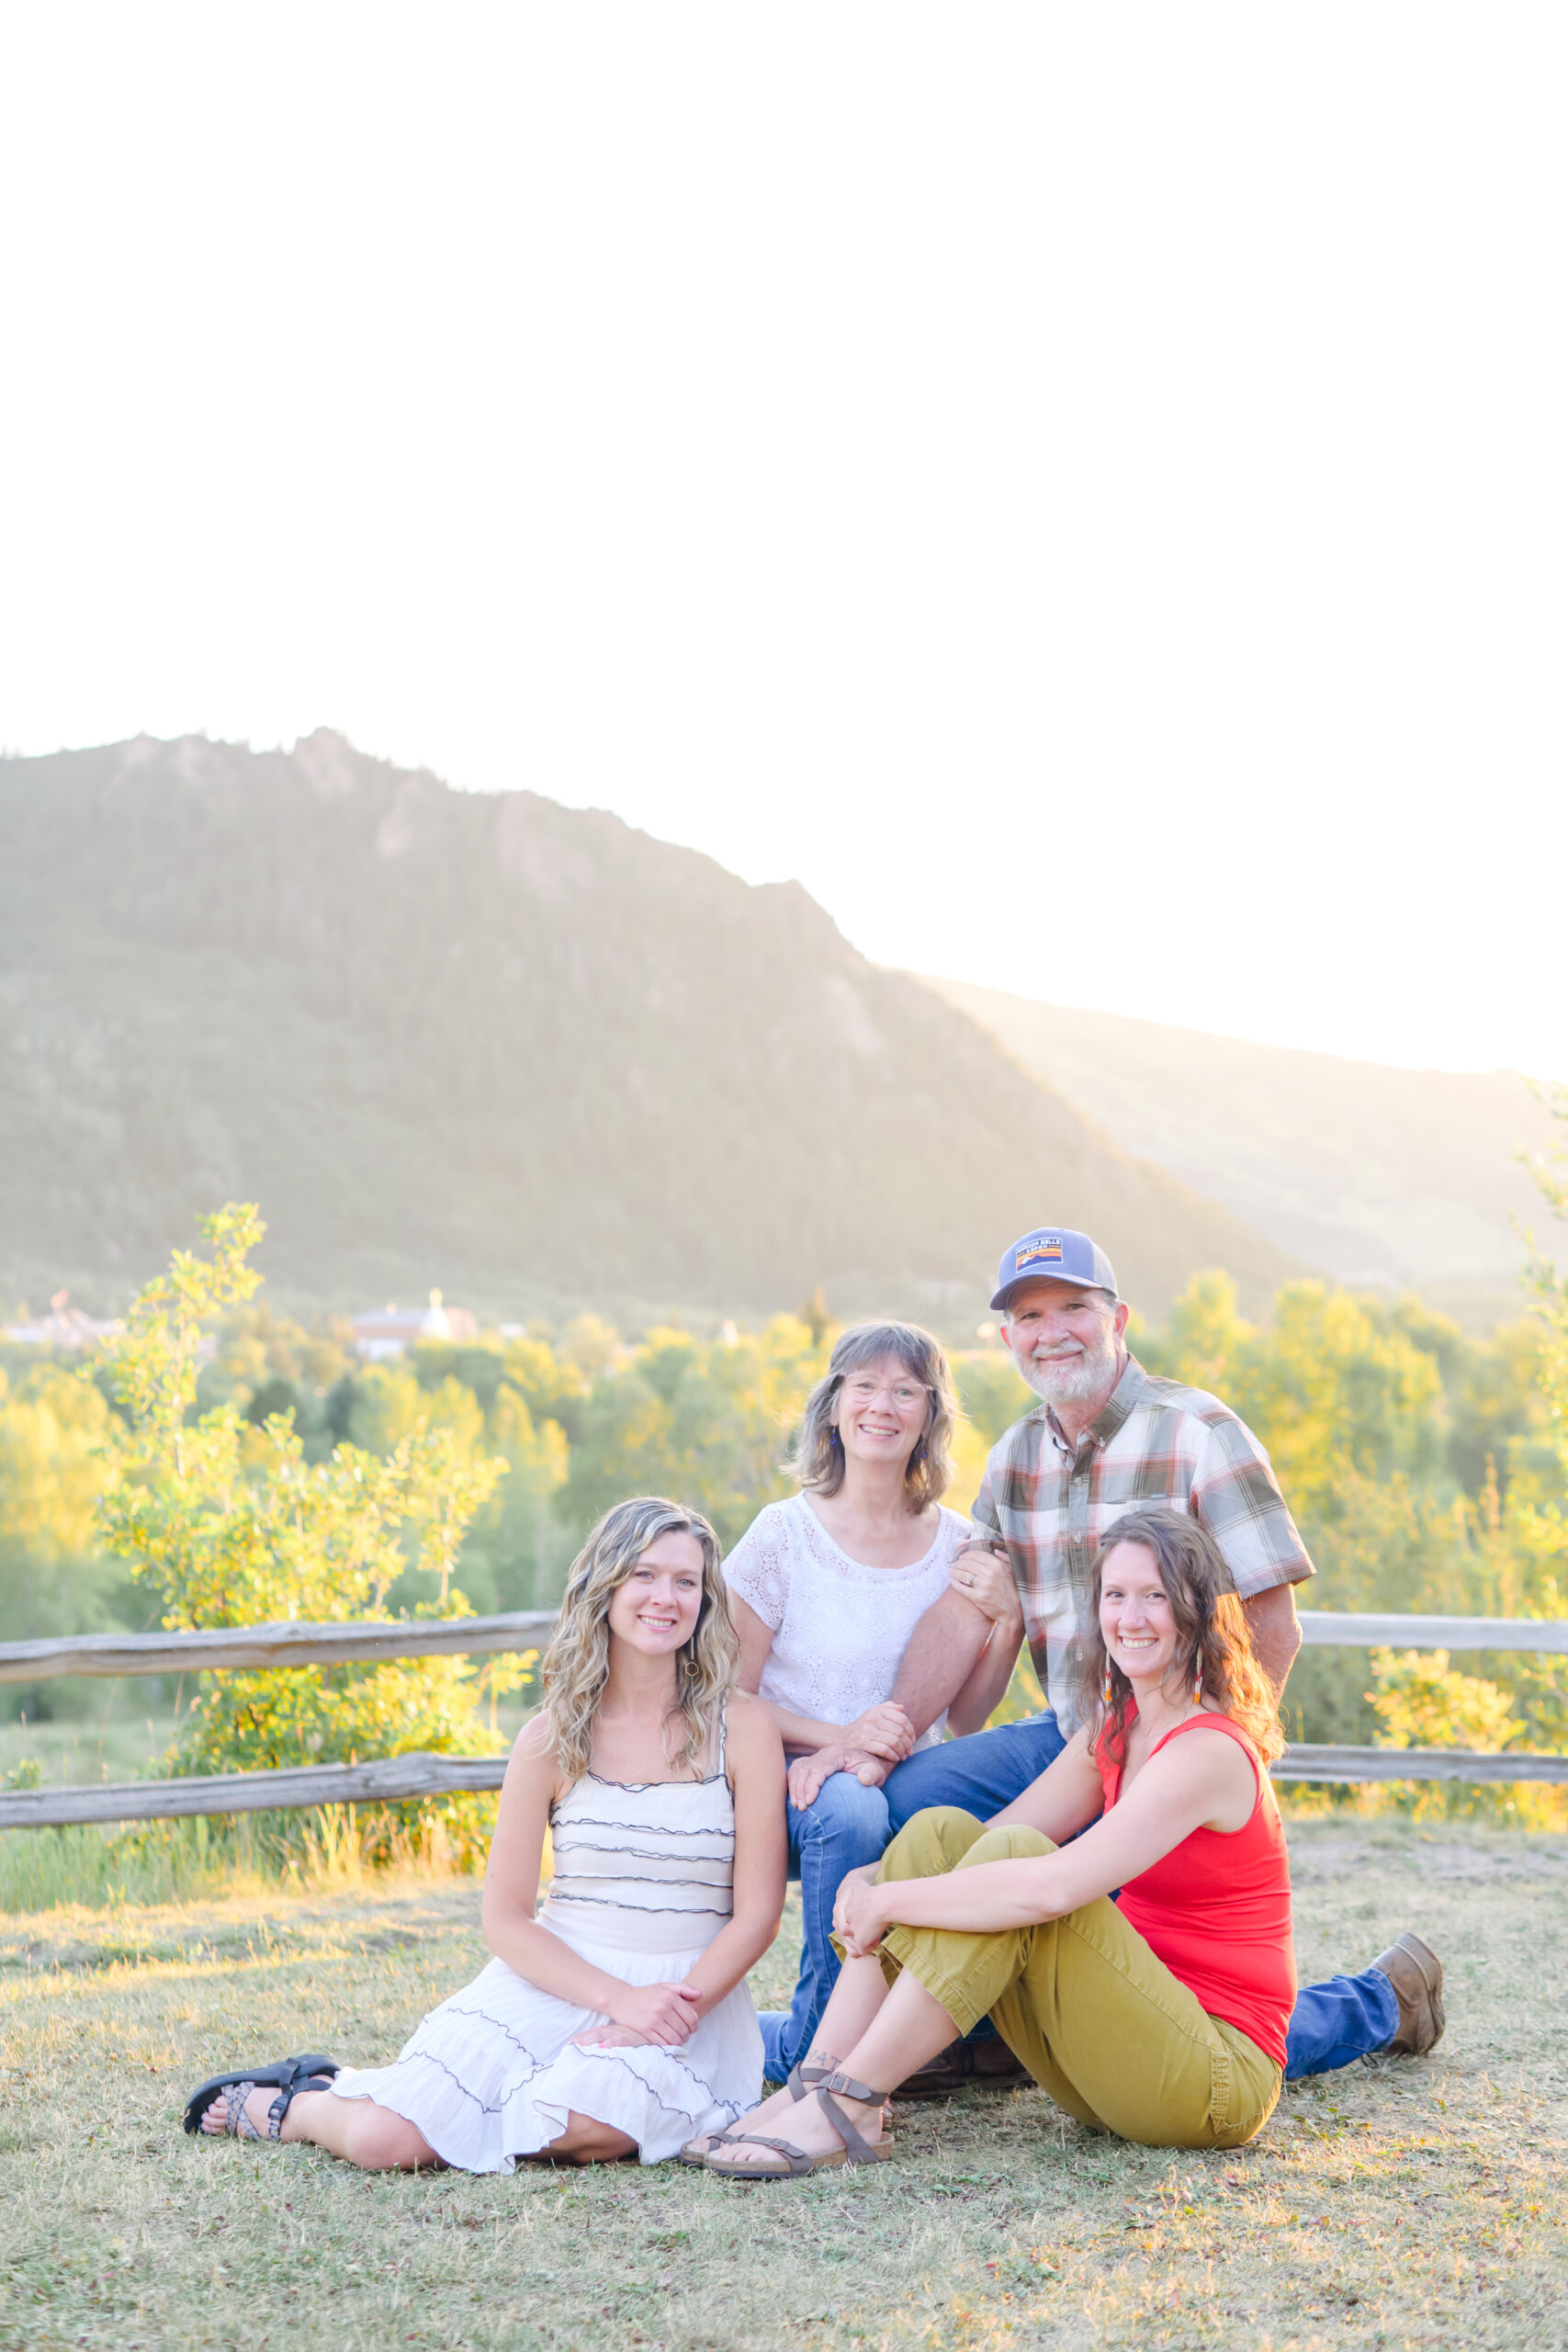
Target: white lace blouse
839	1628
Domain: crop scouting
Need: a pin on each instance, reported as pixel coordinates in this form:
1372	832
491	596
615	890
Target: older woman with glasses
827	1588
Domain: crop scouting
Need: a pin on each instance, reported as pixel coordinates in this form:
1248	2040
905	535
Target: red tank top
1216	1909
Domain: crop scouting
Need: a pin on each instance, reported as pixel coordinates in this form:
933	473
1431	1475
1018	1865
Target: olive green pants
1099	2022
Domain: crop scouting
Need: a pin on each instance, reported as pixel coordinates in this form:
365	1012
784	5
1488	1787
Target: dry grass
1394	2205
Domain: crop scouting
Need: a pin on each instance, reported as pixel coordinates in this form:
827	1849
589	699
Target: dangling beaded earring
1105	1686
834	1439
920	1451
1198	1677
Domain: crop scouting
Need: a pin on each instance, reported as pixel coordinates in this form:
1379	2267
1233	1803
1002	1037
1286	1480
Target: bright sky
1086	491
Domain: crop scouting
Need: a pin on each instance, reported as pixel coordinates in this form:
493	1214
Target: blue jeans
1337	2022
1348	2017
982	1774
845	1826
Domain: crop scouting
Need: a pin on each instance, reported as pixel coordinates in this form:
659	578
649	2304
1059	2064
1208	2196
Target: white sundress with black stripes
644	1879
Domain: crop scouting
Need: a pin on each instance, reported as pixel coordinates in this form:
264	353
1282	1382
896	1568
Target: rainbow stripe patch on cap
1046	1252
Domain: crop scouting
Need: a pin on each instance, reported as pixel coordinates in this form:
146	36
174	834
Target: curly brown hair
1210	1625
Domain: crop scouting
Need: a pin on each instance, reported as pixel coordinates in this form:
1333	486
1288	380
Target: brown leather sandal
856	2150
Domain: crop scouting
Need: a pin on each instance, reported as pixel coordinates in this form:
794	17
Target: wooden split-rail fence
396	1779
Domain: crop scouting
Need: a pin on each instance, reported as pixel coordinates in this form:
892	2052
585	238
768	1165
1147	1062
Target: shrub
1421	1701
233	1527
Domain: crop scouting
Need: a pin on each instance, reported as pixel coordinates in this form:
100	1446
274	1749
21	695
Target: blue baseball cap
1051	1254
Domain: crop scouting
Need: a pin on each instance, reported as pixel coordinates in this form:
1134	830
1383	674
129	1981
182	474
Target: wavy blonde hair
577	1664
817	1458
1210	1626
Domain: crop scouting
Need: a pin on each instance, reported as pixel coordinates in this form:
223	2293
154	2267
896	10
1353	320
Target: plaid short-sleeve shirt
1156	1441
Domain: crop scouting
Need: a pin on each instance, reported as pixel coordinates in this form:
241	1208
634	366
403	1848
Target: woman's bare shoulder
533	1760
752	1736
1206	1749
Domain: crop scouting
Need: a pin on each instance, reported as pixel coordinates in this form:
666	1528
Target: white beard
1067	1384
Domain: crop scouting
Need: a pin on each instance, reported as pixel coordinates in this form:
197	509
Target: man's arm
1276	1636
1236	1496
960	1656
970	1710
941	1655
983	1576
945	1646
947	1649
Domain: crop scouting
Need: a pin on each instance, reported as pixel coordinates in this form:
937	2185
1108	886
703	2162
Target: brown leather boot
989	2062
1416	1972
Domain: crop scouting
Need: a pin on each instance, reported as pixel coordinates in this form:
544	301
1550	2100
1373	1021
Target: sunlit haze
1084	492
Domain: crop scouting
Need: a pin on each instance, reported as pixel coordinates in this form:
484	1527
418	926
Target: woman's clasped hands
859	1920
884	1731
667	2015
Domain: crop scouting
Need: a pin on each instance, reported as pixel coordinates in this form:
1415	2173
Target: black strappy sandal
855	2150
802	2078
290	2076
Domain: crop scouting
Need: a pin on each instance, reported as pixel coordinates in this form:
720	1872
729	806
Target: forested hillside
513	1049
1374	1175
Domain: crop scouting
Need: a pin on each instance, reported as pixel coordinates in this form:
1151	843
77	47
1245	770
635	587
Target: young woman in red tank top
1160	2015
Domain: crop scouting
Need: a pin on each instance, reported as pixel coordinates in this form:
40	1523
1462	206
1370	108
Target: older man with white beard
1108	1438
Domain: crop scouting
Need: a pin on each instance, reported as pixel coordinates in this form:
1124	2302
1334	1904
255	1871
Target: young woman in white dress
617	2022
827	1588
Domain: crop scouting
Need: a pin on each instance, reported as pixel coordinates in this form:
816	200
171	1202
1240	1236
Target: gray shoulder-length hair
817	1458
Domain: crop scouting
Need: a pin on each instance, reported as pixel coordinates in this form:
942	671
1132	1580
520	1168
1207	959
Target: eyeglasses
906	1393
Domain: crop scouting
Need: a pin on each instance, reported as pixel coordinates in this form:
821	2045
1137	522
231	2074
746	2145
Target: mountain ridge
521	1051
1381	1176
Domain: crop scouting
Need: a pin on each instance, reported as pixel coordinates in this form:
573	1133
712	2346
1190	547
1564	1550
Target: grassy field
1394	2205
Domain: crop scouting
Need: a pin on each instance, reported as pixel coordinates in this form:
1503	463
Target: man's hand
985	1577
885	1730
857	1919
808	1773
667	2014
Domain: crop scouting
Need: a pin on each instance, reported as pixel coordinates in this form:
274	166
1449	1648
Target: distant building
397	1328
63	1327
